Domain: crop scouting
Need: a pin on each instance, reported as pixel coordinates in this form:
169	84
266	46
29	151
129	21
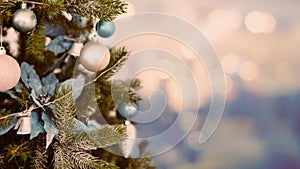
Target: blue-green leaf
50	83
59	44
5	129
36	125
50	128
77	86
30	78
12	93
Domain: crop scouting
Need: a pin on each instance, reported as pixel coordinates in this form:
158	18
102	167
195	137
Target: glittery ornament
10	71
24	20
126	147
105	29
127	110
94	56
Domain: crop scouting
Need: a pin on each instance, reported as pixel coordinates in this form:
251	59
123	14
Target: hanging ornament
24	20
105	29
10	71
127	110
75	49
94	56
126	147
24	122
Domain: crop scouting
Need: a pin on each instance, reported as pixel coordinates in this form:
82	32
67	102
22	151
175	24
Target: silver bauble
24	20
94	56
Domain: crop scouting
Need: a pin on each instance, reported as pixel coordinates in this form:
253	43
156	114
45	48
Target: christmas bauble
105	29
10	72
24	20
94	56
127	110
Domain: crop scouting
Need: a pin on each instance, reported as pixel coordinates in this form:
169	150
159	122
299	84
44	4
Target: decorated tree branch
41	124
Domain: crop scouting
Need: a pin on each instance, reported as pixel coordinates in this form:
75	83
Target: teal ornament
105	29
24	20
127	110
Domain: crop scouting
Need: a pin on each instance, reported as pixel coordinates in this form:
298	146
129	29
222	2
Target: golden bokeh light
220	22
260	22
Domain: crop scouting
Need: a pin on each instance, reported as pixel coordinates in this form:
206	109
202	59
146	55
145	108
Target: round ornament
127	110
10	71
24	20
94	56
105	29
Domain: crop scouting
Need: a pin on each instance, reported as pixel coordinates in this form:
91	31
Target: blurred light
260	22
230	63
221	22
248	71
174	95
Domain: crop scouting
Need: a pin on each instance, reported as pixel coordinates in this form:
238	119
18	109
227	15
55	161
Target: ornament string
19	114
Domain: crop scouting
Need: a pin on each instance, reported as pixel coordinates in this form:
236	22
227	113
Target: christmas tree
45	108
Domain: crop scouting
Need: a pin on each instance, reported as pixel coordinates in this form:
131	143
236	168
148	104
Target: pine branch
104	9
117	59
35	44
107	136
40	154
140	163
4	122
65	111
61	158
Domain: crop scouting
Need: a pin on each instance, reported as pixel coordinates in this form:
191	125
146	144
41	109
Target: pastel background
258	45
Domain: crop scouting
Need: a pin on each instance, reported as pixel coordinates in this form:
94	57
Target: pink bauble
10	72
94	56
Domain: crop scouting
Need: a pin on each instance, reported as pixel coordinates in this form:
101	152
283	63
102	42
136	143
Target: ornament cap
2	51
24	5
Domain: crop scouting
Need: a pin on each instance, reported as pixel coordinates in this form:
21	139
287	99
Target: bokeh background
259	47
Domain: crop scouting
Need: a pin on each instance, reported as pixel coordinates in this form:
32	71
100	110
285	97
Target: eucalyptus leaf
77	86
12	93
30	78
50	83
5	129
36	126
54	30
50	128
60	44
